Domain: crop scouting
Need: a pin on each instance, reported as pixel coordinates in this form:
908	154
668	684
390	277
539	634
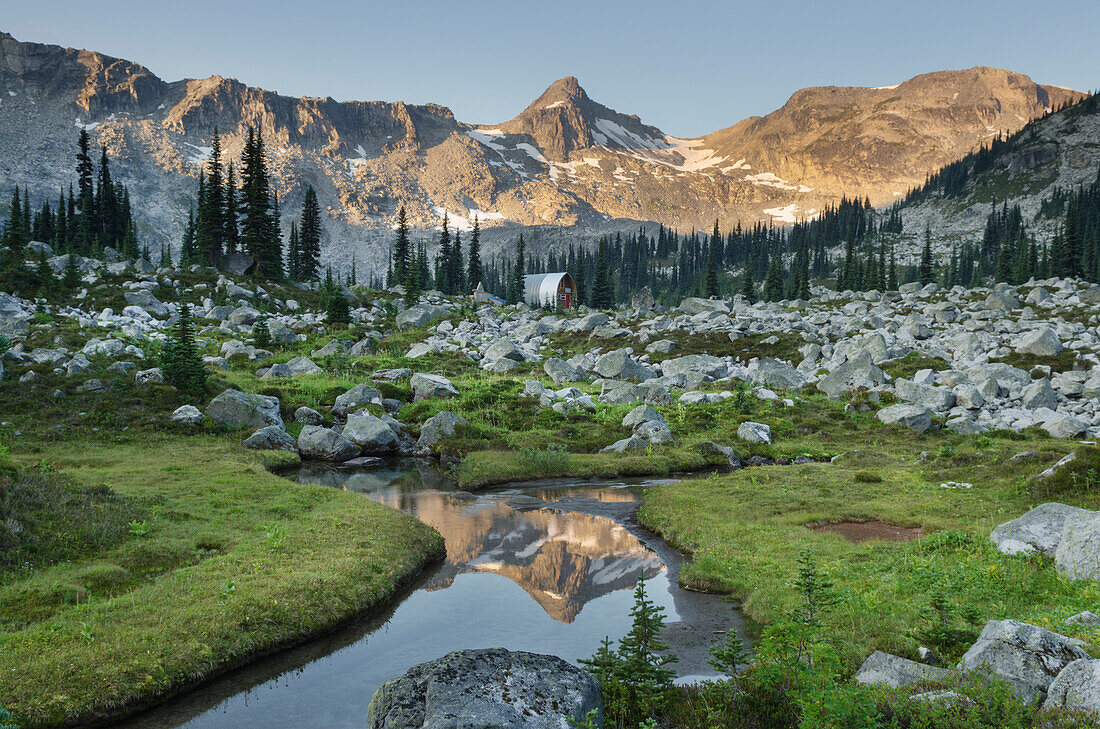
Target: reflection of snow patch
86	127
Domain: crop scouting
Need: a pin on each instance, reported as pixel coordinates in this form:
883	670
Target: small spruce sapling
180	358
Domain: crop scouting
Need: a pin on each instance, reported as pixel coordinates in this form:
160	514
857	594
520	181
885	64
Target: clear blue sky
688	67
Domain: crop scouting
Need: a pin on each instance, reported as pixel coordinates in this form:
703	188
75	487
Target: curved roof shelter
549	289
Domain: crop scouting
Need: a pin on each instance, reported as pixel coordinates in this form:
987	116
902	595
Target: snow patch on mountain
785	214
770	179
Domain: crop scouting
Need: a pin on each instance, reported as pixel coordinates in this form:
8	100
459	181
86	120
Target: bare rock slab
484	689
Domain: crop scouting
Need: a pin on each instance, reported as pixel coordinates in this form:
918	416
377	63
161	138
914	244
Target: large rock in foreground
241	410
895	671
325	444
1077	687
1038	530
1078	553
491	688
1026	656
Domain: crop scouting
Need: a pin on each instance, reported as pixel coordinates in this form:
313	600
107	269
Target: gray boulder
701	364
1040	342
634	442
504	349
244	315
618	365
913	417
1002	301
655	433
325	444
939	399
271	438
1076	687
426	387
371	434
356	398
1039	394
300	366
419	315
308	416
1038	530
751	432
895	671
1060	425
642	414
1078	553
489	688
152	376
558	370
436	428
854	374
1026	656
776	373
1085	618
280	332
241	410
148	302
187	415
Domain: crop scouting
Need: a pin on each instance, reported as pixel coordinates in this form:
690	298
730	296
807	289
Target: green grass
1067	361
912	363
206	560
744	532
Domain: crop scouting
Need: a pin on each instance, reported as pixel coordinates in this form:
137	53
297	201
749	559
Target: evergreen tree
603	288
309	252
261	332
925	273
231	232
402	250
519	289
86	202
293	253
773	282
187	245
259	228
748	287
70	277
710	286
180	358
338	311
473	271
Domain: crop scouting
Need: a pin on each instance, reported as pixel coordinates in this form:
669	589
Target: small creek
547	567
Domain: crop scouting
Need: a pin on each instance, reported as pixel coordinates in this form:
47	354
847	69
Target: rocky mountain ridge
564	162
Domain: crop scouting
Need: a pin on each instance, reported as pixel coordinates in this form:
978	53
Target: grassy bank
195	559
745	531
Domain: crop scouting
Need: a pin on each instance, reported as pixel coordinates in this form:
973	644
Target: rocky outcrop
1040	529
894	671
490	688
240	410
1026	656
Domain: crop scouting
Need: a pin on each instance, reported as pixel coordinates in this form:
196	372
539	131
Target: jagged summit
565	161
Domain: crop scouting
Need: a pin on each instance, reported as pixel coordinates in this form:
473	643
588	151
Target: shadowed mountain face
566	160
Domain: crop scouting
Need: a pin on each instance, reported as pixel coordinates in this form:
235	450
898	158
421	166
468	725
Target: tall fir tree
402	250
309	247
473	270
926	274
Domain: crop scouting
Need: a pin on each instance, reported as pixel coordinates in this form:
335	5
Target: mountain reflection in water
563	561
